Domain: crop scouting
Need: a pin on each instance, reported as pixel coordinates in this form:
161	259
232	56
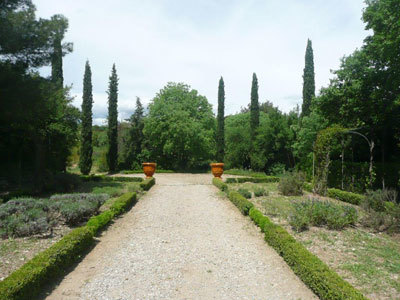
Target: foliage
29	216
245	193
254	108
131	157
344	196
220	184
85	158
29	280
180	129
322	213
324	282
259	192
241	202
326	139
112	133
308	80
147	183
220	133
291	184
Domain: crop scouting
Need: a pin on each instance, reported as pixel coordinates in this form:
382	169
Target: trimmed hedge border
253	179
323	281
141	171
110	178
148	183
27	282
344	196
220	184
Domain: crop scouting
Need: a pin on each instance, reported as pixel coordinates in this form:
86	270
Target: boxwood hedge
345	196
147	183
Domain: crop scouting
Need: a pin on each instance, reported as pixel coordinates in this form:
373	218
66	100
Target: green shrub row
120	205
253	179
141	171
220	184
241	202
323	281
241	172
106	178
147	183
28	281
345	196
309	187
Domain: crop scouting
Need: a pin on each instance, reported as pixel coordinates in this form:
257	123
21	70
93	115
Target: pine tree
85	159
112	153
56	62
308	80
254	108
220	122
135	137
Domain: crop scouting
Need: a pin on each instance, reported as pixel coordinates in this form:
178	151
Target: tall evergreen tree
56	62
254	107
220	121
308	80
135	137
112	153
85	159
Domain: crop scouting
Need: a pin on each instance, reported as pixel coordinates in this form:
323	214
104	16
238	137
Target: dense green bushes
312	271
147	183
291	184
245	193
220	184
27	282
259	192
28	216
241	202
110	178
345	196
263	179
322	213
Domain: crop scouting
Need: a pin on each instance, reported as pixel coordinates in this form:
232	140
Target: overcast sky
196	42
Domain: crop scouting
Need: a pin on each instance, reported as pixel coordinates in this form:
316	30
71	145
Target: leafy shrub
245	193
383	211
277	169
241	202
147	183
324	282
344	196
376	200
320	213
291	184
220	184
259	192
231	180
307	186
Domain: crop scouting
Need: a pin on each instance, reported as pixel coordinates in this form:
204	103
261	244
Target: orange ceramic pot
217	169
149	169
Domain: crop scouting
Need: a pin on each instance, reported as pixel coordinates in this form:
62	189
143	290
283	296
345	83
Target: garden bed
17	249
369	261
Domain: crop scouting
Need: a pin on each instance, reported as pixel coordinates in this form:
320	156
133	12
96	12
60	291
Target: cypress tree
85	159
135	137
220	121
308	80
112	153
56	62
254	108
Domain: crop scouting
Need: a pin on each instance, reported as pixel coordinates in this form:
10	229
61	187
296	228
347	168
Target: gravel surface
182	241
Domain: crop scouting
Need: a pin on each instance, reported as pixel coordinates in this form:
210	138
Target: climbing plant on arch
326	139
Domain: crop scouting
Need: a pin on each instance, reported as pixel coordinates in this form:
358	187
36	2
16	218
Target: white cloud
154	42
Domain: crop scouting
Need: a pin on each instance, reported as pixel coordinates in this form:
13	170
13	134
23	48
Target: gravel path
182	241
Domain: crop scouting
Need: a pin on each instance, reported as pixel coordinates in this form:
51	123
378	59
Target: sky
154	42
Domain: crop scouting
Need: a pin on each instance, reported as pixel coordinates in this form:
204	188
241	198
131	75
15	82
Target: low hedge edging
110	178
147	183
253	179
220	184
344	196
323	281
28	281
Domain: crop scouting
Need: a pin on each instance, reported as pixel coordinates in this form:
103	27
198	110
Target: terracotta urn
149	169
217	169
